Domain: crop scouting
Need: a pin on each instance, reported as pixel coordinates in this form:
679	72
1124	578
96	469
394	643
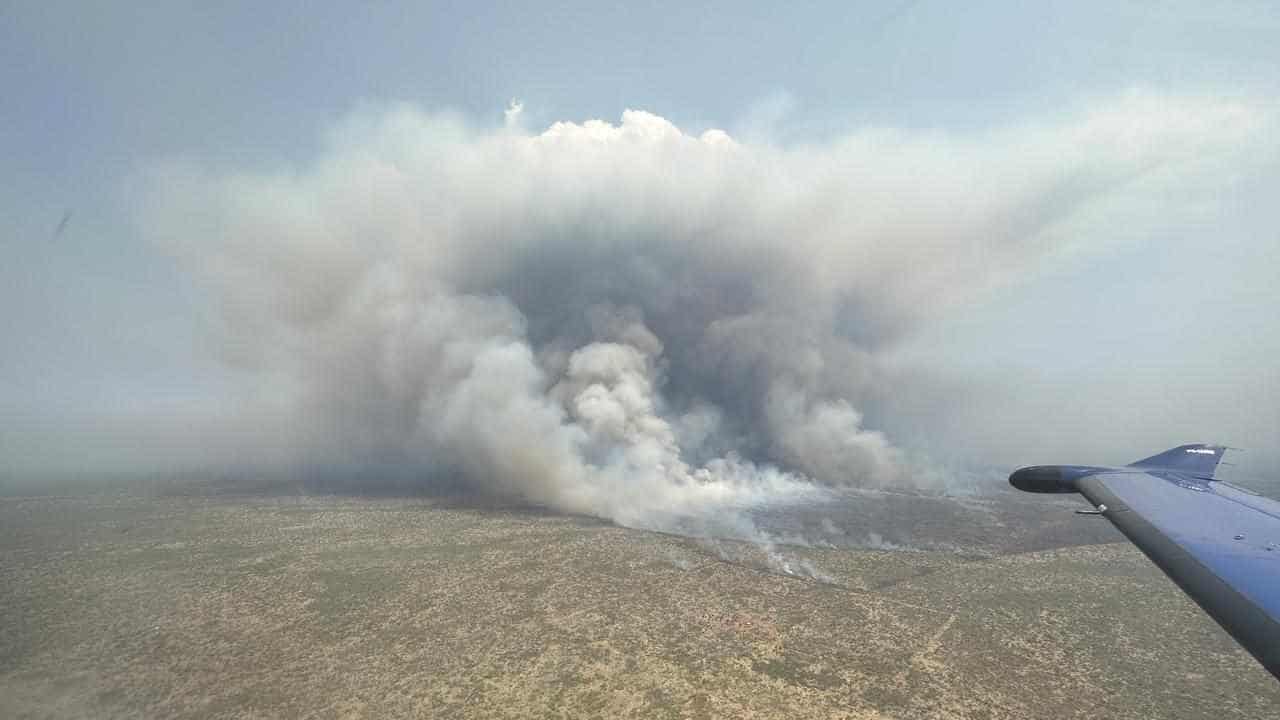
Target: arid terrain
135	606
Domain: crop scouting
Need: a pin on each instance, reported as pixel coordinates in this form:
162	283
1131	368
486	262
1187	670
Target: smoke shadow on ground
999	521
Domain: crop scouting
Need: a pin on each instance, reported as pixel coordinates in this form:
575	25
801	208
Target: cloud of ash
627	320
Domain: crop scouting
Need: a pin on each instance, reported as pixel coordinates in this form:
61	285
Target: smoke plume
632	321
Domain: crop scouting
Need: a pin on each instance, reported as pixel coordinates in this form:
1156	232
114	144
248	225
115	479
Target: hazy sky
1167	333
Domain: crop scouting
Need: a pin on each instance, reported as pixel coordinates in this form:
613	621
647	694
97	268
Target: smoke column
628	320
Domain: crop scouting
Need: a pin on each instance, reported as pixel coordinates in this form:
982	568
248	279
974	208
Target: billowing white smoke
628	320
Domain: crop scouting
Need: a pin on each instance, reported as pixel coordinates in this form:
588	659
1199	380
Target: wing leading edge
1220	544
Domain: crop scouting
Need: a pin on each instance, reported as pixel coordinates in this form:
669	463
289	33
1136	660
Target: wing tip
1197	458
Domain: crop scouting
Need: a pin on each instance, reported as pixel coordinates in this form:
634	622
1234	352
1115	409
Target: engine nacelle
1051	478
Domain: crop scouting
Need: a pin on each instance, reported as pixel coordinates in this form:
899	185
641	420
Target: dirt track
122	606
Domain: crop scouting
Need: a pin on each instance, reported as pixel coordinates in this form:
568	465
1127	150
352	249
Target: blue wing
1219	543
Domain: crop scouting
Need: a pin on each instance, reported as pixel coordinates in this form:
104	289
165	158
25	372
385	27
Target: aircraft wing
1219	543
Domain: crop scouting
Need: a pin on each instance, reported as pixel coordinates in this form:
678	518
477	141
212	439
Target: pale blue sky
101	330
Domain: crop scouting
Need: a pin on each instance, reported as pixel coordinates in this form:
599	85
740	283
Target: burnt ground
148	606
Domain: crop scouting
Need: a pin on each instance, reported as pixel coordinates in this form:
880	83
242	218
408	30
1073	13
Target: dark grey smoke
627	320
